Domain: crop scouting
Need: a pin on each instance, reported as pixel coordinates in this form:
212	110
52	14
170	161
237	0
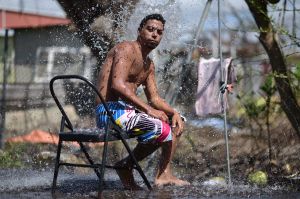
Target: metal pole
2	113
283	14
200	28
189	56
294	19
223	105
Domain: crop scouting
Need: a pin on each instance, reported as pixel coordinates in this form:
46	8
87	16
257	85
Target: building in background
40	46
37	29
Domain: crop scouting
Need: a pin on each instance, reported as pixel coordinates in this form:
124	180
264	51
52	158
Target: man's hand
158	114
177	124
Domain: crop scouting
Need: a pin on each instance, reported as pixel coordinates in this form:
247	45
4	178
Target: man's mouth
153	42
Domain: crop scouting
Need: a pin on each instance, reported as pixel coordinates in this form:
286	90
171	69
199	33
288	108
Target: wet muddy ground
28	183
200	156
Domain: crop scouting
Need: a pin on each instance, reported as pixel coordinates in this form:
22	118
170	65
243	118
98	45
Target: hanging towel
208	92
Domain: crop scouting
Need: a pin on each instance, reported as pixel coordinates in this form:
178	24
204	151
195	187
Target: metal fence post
2	113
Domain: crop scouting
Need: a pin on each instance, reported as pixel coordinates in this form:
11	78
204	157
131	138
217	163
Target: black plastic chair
69	134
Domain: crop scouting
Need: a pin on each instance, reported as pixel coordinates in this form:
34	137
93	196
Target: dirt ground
200	148
203	149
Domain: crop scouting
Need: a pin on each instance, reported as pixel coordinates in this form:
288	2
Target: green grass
11	155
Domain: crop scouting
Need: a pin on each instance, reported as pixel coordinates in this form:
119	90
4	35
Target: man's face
151	33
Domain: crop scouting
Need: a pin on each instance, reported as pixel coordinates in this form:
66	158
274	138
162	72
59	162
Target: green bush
11	156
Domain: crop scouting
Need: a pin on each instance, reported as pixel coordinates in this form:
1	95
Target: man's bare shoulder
125	46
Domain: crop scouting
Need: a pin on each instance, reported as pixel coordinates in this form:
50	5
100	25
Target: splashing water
36	184
21	181
171	11
167	9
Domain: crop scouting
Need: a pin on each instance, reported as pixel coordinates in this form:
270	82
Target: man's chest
138	73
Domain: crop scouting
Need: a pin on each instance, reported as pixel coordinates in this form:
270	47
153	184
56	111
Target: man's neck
144	49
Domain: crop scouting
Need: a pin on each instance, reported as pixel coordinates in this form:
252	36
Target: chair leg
88	157
138	167
102	169
57	164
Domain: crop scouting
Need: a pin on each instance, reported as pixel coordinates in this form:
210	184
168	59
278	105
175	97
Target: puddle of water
24	183
164	193
217	123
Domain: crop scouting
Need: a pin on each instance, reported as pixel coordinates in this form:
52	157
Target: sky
182	16
45	7
189	15
194	8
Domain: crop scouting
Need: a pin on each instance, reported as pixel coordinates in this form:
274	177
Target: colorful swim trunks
134	122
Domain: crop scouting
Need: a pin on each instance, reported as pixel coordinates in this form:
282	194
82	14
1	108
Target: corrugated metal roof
39	7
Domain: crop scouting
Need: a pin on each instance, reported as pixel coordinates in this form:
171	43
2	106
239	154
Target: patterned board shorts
144	127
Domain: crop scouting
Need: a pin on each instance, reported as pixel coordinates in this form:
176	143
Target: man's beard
152	45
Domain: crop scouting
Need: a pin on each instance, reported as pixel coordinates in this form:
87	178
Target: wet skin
126	67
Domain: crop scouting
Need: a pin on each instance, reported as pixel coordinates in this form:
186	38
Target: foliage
20	155
295	79
259	109
253	107
268	86
11	156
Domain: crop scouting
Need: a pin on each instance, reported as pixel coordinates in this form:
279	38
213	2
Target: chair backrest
85	89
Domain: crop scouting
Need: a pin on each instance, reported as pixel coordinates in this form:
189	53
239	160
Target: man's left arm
158	103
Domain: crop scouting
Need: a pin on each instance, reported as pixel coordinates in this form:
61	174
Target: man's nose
154	34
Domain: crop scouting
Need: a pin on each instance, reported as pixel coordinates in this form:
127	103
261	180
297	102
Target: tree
268	38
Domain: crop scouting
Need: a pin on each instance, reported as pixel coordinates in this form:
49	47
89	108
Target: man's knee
166	133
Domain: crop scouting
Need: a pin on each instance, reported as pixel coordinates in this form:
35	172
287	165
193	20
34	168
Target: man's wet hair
158	17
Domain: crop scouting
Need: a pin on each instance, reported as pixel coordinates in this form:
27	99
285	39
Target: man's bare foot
170	180
126	177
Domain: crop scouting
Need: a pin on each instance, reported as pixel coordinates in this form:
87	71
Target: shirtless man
126	67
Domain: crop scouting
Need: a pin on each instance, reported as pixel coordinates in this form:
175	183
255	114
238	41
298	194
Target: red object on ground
36	136
40	136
